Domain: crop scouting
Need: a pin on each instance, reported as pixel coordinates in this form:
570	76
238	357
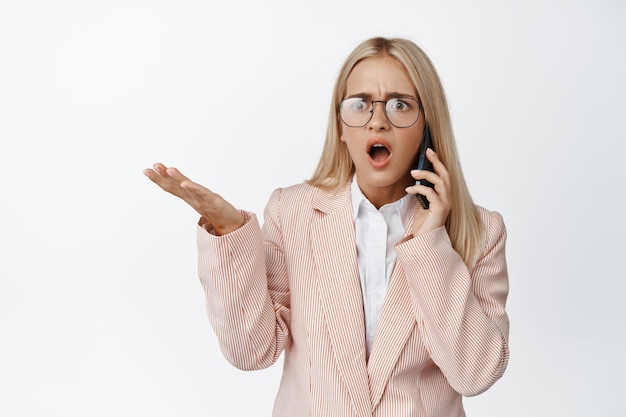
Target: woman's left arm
461	312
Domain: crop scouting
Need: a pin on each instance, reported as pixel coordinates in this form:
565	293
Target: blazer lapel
397	320
339	286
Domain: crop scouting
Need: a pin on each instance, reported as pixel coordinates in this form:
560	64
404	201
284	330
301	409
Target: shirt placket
376	286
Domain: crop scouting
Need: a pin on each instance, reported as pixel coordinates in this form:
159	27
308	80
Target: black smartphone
422	163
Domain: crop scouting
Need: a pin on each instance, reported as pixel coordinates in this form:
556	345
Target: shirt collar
404	206
357	197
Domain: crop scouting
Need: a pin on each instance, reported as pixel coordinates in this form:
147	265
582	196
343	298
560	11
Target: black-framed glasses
400	111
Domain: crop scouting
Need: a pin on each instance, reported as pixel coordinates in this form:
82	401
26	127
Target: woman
382	306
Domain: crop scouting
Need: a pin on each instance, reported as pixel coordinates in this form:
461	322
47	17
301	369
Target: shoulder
493	226
299	191
291	208
490	218
302	201
294	200
305	194
293	195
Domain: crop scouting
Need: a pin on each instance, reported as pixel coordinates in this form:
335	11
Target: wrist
230	226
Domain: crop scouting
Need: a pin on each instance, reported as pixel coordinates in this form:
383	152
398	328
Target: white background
101	310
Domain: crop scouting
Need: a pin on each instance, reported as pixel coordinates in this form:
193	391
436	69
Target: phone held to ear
422	163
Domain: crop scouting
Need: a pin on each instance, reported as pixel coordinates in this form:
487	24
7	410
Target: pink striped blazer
294	287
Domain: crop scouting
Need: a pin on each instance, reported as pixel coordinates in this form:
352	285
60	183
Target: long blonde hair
335	167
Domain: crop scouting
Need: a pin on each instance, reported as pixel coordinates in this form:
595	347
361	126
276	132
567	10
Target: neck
379	196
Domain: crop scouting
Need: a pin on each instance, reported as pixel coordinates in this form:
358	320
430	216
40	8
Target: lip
378	141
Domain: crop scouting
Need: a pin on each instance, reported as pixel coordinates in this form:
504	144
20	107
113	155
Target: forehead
379	75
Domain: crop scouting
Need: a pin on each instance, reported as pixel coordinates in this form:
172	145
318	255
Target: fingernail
157	168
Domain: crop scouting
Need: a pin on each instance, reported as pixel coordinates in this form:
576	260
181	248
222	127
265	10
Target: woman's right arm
243	274
244	277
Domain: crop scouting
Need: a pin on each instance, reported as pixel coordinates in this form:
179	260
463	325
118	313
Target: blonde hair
335	167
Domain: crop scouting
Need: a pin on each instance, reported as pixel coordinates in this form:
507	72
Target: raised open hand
220	213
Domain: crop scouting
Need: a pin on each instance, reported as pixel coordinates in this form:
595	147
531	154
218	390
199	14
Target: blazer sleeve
460	312
247	292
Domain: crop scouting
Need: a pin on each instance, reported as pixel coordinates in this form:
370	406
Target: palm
220	213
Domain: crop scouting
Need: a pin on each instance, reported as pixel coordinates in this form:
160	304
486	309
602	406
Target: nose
379	119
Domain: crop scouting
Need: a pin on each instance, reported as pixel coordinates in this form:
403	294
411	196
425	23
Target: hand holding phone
422	163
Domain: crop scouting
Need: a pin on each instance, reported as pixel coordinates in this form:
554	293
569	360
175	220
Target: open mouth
379	152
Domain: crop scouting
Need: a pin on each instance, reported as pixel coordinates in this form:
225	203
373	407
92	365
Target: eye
399	105
357	104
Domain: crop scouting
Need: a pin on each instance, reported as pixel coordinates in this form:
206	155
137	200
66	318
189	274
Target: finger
431	195
439	189
424	190
176	175
160	175
154	176
429	176
159	168
438	166
148	173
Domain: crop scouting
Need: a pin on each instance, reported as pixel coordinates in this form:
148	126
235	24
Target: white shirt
377	231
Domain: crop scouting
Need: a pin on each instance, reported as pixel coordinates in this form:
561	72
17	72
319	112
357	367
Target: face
382	154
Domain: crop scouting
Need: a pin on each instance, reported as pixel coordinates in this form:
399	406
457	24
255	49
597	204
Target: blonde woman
382	306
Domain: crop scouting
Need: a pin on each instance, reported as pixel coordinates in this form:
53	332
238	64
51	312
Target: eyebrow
389	95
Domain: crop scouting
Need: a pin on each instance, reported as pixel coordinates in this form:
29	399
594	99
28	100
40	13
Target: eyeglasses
400	111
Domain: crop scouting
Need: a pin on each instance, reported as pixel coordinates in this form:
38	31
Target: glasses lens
402	111
355	111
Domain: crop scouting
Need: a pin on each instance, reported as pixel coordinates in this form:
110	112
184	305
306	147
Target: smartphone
422	163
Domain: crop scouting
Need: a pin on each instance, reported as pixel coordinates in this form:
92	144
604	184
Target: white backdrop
101	310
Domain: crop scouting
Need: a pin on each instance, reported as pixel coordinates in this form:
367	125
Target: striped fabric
294	287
